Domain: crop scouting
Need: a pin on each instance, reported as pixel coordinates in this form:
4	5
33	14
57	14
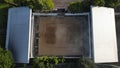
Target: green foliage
25	66
98	2
5	59
86	63
47	5
106	3
112	3
34	4
75	7
46	62
9	1
83	6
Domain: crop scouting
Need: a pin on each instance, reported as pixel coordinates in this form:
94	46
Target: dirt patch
66	36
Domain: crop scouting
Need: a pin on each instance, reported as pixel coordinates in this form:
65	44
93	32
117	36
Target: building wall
118	34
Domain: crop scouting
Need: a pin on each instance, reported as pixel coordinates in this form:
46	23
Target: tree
34	4
75	7
46	61
98	2
48	5
112	3
5	59
83	6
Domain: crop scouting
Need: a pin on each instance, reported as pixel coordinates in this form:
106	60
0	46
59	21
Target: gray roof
18	33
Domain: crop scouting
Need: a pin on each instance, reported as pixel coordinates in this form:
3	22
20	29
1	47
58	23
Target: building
69	35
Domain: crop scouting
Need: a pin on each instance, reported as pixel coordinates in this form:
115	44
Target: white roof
104	35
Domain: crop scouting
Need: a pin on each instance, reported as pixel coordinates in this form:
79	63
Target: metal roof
18	33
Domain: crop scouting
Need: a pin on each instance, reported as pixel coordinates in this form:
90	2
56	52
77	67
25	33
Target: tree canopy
82	6
6	60
34	4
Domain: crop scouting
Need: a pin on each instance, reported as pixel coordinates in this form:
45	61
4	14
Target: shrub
86	63
5	59
83	6
112	3
47	5
106	3
86	5
98	2
46	62
75	7
34	4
